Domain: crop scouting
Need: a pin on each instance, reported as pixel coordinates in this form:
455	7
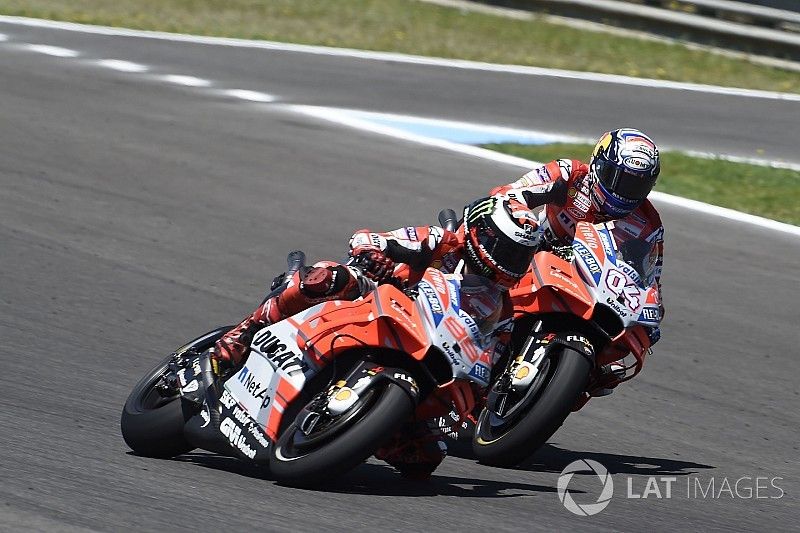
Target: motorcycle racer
622	171
496	240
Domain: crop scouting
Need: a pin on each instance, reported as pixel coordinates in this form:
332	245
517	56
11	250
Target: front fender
577	342
367	374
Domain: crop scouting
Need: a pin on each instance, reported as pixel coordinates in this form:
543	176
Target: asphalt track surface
135	215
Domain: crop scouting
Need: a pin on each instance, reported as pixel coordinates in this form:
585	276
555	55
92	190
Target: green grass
764	191
412	27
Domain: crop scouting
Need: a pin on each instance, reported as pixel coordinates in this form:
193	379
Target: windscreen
482	300
639	254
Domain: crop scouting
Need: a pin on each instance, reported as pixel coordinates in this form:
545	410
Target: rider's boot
309	286
416	450
611	374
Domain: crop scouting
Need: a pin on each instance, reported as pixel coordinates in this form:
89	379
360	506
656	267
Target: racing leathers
563	187
399	256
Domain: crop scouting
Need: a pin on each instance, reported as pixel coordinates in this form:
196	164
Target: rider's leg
416	450
419	447
309	286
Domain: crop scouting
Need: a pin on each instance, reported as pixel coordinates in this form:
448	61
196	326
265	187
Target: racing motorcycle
577	312
322	390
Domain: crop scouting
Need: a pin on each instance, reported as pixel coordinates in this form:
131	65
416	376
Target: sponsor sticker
543	175
582	202
433	301
605	238
631	229
615	305
233	432
650	314
576	213
589	237
281	351
480	373
589	260
252	386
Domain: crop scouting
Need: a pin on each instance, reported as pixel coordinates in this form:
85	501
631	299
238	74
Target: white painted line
3	37
724	212
403	58
122	66
55	51
344	118
748	160
250	96
427	128
187	81
455	125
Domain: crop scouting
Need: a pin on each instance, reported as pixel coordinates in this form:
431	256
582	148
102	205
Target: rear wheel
337	444
532	416
152	424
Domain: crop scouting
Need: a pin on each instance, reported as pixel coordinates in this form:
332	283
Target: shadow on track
228	464
380	480
551	458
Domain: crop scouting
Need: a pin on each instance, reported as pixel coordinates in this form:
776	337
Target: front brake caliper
170	383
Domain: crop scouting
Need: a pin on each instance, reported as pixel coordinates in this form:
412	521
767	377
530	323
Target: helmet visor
624	183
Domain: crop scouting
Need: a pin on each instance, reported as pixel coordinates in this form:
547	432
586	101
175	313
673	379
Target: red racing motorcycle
578	311
322	390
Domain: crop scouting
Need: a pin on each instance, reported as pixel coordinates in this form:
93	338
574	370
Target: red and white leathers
416	450
564	186
413	249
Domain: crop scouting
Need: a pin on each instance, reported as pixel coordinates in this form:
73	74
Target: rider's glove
375	264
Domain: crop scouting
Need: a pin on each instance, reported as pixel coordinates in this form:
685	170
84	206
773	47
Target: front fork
532	361
340	397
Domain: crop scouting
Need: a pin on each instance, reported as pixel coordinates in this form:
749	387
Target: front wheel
535	413
152	422
152	425
341	443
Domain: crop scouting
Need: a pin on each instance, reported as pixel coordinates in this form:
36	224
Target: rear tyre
303	460
151	424
500	442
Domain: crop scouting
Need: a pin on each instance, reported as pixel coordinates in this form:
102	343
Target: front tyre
543	408
152	425
304	459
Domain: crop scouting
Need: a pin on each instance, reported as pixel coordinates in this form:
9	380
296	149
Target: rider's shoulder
649	212
646	216
563	168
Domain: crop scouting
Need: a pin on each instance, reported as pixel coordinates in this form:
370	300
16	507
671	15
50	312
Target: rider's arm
547	184
416	247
